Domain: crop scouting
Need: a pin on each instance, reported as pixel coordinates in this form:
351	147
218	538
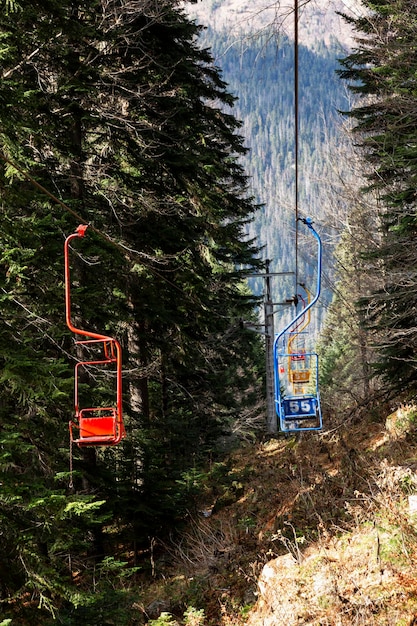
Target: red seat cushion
97	426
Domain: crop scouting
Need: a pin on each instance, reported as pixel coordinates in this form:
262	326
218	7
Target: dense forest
115	115
109	119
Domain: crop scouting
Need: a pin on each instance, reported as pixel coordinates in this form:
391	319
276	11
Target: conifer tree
345	346
113	108
381	71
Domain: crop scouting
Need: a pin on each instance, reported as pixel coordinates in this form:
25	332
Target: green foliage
164	618
118	115
383	67
345	346
192	617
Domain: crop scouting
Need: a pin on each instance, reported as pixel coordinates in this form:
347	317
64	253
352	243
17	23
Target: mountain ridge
318	21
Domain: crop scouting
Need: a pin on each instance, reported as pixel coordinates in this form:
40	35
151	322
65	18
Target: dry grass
319	533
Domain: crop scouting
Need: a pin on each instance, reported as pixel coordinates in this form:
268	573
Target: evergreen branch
125	249
38	321
62	204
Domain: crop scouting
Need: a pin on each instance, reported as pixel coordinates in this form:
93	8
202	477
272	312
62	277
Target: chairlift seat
103	425
98	426
300	414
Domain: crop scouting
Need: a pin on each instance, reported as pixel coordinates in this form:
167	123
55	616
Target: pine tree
345	345
381	70
113	108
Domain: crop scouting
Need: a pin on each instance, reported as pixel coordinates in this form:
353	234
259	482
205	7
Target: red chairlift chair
97	426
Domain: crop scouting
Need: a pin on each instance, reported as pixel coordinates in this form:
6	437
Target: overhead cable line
296	137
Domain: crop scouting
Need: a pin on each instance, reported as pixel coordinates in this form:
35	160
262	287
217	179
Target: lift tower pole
267	329
271	417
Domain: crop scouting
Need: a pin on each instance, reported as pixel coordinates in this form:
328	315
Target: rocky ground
314	529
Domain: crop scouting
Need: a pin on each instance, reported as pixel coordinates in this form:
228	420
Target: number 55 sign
300	407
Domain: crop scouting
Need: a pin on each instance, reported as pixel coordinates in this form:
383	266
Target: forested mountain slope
114	107
322	529
256	56
328	522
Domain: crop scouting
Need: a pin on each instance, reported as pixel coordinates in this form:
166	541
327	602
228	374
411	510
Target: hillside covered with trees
254	48
115	116
111	108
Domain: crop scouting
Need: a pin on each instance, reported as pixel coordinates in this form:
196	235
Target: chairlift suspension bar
307	221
